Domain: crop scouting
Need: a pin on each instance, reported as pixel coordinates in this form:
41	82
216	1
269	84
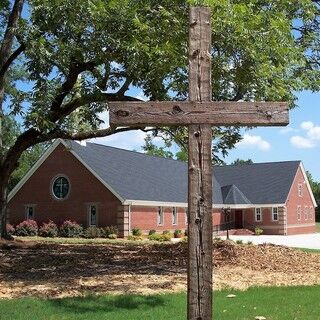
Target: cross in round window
60	187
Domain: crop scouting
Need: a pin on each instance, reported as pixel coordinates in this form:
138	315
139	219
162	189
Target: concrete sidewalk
310	241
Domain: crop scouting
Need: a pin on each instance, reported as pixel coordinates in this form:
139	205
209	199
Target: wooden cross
200	114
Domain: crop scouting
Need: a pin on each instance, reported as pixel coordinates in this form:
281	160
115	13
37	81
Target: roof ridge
137	152
256	163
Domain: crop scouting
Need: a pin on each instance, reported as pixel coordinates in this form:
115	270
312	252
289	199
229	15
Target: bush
134	238
160	237
136	232
258	231
48	230
239	242
112	236
106	231
152	232
166	232
70	229
249	243
27	228
92	233
178	233
10	229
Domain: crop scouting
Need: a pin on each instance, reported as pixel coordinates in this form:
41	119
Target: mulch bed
54	270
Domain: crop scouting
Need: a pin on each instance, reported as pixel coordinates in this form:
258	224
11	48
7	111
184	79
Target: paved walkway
310	241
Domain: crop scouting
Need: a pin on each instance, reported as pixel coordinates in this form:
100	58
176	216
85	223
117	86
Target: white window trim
89	214
186	217
272	214
300	190
311	212
174	223
26	213
299	212
306	213
255	215
160	215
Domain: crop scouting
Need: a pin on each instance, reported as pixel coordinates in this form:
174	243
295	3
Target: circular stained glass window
60	187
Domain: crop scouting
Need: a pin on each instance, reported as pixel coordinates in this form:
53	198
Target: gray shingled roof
137	176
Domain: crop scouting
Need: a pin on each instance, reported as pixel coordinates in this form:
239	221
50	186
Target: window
186	217
258	214
275	214
306	213
160	216
60	187
174	216
93	213
300	190
310	212
30	212
299	213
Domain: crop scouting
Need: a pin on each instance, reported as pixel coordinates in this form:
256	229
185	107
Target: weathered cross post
199	113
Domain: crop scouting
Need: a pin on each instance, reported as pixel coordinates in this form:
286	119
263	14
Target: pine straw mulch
53	270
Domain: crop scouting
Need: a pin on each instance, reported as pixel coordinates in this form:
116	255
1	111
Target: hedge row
68	229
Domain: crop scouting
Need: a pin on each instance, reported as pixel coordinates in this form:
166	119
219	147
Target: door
238	219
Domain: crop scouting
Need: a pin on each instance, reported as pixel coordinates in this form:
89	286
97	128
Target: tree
62	61
241	161
315	187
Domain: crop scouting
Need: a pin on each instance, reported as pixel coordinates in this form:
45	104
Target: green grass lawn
281	303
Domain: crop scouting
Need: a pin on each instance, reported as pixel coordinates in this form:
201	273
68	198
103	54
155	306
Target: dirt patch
53	270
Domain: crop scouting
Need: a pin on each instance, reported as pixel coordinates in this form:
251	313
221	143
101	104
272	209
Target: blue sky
298	141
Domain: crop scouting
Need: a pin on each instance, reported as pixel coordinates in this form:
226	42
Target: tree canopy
62	61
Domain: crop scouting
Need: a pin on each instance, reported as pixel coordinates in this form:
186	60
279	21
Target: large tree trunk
4	178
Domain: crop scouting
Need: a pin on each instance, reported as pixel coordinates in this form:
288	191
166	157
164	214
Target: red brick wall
146	218
85	189
307	223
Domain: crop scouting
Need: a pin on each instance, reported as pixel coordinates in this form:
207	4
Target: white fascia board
34	168
117	195
308	185
185	205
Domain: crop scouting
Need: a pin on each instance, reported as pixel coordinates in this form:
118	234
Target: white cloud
311	139
251	141
301	142
307	125
141	96
130	140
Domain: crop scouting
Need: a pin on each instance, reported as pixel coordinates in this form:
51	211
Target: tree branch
12	57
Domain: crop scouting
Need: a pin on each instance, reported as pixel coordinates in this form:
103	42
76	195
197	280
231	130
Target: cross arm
215	113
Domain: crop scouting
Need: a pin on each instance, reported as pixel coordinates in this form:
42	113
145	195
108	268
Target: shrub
136	232
27	228
49	230
106	231
249	243
92	233
239	242
258	231
160	237
178	233
155	237
112	236
134	238
152	232
166	232
70	229
10	229
217	239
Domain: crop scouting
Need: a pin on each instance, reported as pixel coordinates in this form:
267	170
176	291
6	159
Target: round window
60	187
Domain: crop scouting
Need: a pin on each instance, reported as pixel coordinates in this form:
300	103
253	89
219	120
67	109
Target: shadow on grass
96	304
